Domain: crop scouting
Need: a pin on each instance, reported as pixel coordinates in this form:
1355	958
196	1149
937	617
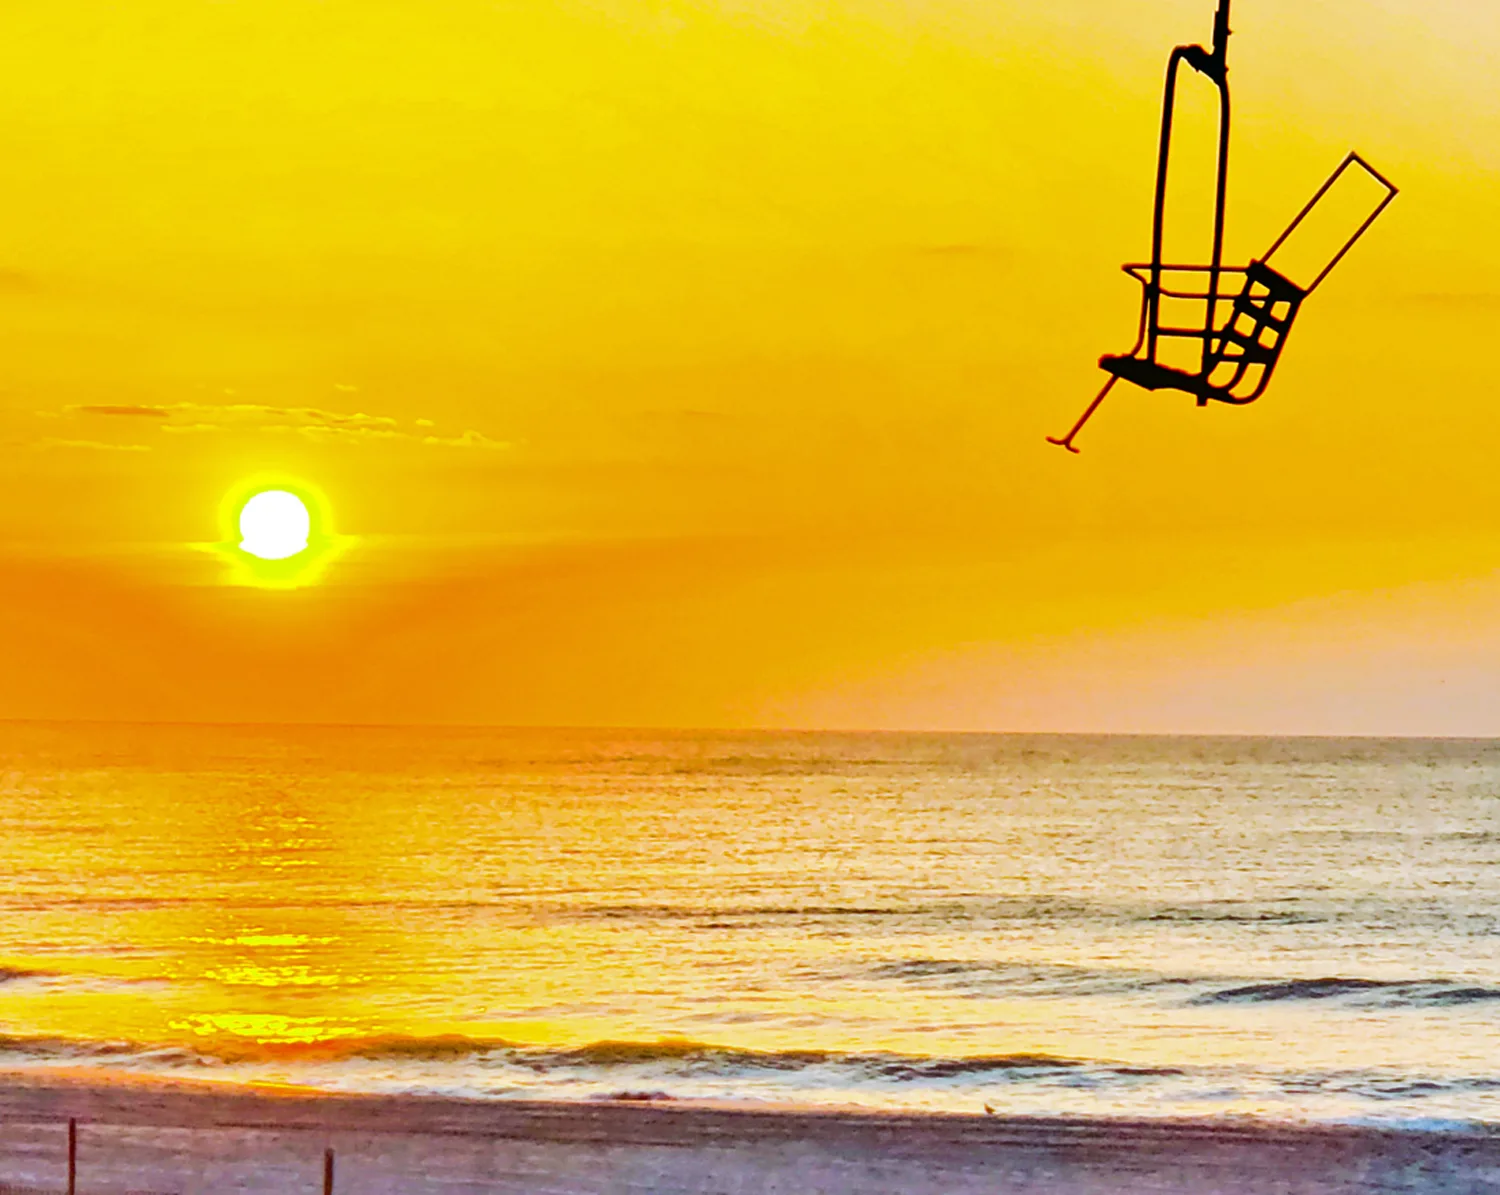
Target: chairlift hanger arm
1215	68
1222	32
1214	65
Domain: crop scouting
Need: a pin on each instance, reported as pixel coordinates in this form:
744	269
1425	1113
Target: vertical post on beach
328	1172
72	1155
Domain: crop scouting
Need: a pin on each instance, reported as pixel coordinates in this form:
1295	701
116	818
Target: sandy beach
189	1138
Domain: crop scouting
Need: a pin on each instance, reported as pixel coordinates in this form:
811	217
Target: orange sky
703	351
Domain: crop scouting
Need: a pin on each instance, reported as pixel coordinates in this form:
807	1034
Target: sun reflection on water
250	975
254	939
264	1028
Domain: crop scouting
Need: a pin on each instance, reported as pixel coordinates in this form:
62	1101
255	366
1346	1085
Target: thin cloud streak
50	442
190	418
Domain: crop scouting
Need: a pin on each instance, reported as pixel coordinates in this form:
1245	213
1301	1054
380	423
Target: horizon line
601	728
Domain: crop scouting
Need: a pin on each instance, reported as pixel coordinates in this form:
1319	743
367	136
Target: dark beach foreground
190	1138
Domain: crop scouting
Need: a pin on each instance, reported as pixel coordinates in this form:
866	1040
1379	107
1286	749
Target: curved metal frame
1214	65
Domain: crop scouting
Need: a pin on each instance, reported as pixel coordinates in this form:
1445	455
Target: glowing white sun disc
274	525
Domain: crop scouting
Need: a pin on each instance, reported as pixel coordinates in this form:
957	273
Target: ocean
1277	929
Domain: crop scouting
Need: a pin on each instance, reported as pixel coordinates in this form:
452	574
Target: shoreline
176	1137
112	1091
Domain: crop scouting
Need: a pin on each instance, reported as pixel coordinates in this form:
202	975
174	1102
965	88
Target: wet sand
192	1138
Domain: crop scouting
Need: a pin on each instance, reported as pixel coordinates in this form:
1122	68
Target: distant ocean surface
1290	930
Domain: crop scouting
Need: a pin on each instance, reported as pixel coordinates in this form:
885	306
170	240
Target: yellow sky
702	355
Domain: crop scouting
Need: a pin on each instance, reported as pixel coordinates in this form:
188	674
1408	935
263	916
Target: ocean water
1289	930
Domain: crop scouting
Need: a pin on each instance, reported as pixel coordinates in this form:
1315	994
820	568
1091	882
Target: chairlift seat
1238	353
1148	375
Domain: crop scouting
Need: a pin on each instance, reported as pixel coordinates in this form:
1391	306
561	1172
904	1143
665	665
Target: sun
274	525
277	532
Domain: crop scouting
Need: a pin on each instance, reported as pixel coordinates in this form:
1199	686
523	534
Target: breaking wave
1426	993
1031	979
670	1054
676	1069
12	974
1044	980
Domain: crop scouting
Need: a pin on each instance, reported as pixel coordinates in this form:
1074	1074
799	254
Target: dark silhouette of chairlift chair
1247	311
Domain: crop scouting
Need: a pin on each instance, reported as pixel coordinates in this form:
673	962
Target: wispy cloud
149	412
468	439
192	418
49	442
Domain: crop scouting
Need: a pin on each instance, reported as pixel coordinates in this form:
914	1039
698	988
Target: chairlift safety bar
1354	159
